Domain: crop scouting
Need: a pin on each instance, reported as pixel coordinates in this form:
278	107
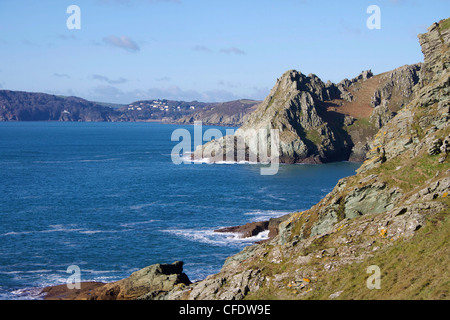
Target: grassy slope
415	268
410	269
444	24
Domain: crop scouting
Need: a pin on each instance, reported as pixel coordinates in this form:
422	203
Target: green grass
410	269
444	24
314	137
362	123
415	268
362	127
413	174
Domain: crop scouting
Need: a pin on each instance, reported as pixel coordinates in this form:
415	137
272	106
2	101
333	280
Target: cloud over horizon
108	80
61	75
233	50
122	42
109	93
201	48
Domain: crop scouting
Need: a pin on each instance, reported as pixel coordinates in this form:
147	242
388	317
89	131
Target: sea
109	199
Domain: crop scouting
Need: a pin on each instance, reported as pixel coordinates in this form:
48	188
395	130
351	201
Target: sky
209	51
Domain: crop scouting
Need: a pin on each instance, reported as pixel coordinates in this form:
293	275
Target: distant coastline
34	106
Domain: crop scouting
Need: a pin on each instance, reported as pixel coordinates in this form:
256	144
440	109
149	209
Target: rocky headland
392	214
320	122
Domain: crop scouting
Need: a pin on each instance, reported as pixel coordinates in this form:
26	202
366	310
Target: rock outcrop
247	230
149	283
254	228
291	108
317	122
394	92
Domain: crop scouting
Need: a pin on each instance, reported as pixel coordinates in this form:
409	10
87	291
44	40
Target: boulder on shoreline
247	230
155	281
252	229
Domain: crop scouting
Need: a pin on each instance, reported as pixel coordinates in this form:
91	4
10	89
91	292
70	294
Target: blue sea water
108	198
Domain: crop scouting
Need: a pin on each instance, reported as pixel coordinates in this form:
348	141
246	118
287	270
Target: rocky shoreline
155	281
393	214
146	284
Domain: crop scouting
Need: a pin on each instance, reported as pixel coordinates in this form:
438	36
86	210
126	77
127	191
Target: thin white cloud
61	75
163	79
201	48
174	92
30	43
108	91
233	50
66	37
228	84
123	42
349	29
108	80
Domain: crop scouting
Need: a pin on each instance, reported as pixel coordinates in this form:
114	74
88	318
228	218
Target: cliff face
392	214
292	108
321	122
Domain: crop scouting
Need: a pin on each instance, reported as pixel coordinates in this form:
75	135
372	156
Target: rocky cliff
393	214
320	122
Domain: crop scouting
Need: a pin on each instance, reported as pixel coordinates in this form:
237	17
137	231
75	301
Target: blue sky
128	50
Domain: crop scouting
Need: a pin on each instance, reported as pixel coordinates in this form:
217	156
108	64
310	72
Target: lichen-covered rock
434	46
381	115
291	108
397	87
150	282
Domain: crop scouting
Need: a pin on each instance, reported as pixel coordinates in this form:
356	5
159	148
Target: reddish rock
247	230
